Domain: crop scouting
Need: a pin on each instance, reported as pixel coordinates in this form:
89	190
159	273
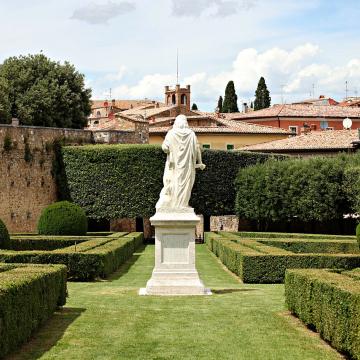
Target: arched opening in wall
183	99
98	113
168	102
173	99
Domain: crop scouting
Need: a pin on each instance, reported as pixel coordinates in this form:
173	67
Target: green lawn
108	320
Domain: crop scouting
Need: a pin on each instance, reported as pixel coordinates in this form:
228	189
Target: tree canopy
42	92
262	96
230	100
194	107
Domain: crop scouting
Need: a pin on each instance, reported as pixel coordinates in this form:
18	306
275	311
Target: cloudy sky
130	46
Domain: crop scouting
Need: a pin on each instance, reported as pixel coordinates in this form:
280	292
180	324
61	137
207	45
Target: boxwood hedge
257	260
329	303
85	260
117	181
29	294
303	189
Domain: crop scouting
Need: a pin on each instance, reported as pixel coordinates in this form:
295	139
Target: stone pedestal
175	272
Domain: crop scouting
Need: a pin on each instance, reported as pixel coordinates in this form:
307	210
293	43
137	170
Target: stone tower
178	96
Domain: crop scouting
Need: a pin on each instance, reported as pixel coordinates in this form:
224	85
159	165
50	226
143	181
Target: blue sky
130	46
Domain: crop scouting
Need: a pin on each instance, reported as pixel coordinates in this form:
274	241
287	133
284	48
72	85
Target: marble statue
175	272
183	157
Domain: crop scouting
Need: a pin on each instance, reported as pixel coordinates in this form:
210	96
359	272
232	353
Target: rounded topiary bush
4	236
358	234
63	218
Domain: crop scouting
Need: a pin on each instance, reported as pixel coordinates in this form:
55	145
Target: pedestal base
174	272
175	283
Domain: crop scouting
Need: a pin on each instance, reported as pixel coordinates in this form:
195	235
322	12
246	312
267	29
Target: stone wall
26	178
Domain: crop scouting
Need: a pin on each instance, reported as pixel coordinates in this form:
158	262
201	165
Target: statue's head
181	122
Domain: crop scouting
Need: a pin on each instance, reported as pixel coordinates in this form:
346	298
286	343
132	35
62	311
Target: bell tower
178	96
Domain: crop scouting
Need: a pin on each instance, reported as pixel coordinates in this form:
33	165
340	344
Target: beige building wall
220	141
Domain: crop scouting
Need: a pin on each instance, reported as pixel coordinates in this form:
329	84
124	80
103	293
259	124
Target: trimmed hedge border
29	294
329	303
86	260
257	260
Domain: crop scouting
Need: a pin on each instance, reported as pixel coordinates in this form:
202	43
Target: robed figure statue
183	157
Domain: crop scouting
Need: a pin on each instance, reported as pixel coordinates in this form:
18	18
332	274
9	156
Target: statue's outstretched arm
199	163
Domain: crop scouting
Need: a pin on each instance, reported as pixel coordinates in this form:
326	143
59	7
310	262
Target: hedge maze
29	294
329	303
86	257
264	257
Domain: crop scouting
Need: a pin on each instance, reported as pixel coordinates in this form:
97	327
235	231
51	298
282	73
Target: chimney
113	102
245	107
15	122
322	97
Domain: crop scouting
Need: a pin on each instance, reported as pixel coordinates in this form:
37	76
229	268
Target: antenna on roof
177	66
346	90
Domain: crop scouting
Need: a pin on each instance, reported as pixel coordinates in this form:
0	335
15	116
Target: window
206	146
293	129
173	99
183	99
229	146
324	124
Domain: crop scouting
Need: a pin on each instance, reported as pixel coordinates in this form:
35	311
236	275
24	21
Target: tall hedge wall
315	189
116	181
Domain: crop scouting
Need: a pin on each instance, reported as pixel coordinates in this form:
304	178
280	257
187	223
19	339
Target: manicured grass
108	320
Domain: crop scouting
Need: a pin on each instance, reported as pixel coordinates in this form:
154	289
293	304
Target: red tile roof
299	110
317	140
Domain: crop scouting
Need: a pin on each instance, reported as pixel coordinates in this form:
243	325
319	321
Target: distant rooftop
317	140
299	110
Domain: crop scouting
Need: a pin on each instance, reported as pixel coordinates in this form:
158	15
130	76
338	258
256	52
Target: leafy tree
42	92
5	107
194	107
220	103
230	100
262	96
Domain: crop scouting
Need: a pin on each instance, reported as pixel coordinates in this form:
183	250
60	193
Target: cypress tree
262	96
194	107
220	103
230	101
252	105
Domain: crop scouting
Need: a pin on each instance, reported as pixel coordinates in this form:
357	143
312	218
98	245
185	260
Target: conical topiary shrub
4	236
63	218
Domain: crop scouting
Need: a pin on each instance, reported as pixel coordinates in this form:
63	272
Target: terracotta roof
146	112
225	126
350	103
299	110
316	140
122	104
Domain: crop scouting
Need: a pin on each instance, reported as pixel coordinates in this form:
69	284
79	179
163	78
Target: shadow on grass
124	268
47	335
229	291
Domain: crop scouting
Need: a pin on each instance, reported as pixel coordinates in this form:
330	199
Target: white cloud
293	70
151	86
220	8
96	13
116	76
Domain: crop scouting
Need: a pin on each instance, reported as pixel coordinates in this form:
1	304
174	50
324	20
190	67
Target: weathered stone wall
27	184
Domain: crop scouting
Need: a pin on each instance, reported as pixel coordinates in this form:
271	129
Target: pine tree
262	96
194	107
220	103
230	101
